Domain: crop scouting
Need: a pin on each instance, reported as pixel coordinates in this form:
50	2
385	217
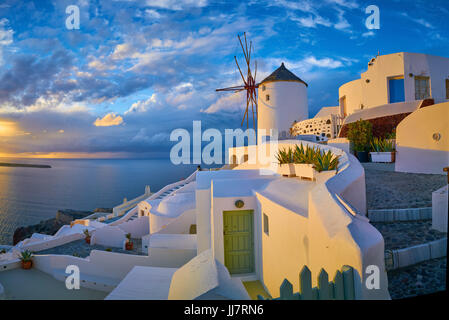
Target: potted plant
326	165
26	258
303	161
360	134
87	236
382	150
129	243
285	161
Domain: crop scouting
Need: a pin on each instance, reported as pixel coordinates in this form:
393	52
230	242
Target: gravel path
398	235
424	278
81	249
386	189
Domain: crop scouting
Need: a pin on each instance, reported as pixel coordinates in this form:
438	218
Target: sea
30	195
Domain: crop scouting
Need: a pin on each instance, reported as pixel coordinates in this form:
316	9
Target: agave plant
381	145
326	161
86	233
26	256
128	236
310	155
284	156
298	154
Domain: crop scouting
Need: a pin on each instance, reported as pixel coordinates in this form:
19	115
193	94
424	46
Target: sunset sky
136	70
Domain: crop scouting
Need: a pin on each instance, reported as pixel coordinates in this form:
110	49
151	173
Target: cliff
51	226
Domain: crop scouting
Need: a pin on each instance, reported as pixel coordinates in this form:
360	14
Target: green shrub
26	256
326	161
306	155
322	161
284	156
360	133
381	145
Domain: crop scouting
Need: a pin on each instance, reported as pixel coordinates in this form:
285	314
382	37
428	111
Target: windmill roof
283	74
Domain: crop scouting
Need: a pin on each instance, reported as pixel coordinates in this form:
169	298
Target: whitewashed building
325	125
282	98
394	78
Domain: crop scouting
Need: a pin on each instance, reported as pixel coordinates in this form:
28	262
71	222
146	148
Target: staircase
163	195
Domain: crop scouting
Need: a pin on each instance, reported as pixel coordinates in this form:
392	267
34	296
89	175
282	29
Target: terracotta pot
129	246
27	264
87	240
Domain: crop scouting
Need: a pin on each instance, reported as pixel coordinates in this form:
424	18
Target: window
267	97
263	87
265	224
422	88
447	88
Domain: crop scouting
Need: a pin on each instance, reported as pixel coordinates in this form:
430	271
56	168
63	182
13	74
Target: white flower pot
323	176
304	170
382	156
286	169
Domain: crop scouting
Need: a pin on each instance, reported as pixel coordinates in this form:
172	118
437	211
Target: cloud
368	34
421	21
142	105
229	103
323	63
6	37
313	21
109	120
345	3
176	4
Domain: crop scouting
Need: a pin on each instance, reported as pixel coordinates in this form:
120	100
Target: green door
238	241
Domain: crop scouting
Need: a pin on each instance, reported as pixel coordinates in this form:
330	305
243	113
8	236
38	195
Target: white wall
372	89
417	151
437	68
137	227
288	102
440	211
203	222
352	91
181	225
111	236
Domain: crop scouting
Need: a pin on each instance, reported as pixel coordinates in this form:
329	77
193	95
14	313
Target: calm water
29	195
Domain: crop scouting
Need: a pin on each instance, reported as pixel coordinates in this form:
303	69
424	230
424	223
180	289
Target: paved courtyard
386	189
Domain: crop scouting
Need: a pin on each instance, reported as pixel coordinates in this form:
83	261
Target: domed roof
282	74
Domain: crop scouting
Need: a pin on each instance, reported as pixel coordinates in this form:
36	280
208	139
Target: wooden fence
342	288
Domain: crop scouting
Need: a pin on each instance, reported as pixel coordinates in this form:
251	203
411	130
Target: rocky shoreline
51	226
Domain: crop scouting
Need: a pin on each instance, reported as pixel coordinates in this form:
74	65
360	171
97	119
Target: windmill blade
255	71
236	88
249	53
243	78
241	44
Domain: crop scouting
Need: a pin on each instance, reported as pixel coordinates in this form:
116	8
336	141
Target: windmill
249	83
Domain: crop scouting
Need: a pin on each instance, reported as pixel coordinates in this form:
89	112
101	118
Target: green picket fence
342	288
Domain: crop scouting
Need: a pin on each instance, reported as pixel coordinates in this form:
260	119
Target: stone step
408	214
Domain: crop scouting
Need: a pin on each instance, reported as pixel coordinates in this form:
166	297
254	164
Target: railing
128	204
342	288
154	196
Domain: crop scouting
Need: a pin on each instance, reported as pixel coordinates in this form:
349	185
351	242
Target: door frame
251	213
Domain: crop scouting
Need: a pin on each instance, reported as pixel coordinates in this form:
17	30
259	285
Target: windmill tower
282	100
